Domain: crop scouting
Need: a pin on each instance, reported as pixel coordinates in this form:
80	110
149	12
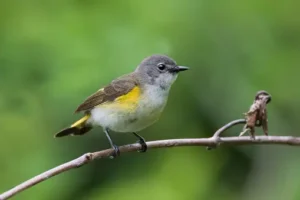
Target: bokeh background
55	53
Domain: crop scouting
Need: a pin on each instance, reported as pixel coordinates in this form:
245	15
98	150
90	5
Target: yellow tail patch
80	123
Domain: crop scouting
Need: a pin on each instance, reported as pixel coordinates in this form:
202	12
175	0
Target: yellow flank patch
80	123
127	101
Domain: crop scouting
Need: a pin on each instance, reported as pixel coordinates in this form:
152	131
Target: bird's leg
115	147
142	142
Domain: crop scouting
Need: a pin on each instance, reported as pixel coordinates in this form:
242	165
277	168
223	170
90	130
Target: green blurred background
55	53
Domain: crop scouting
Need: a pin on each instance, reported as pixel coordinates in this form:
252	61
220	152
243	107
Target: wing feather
115	89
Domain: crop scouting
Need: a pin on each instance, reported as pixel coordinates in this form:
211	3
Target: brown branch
212	142
218	133
227	126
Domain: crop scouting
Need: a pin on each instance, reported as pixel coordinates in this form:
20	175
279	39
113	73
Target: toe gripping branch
142	142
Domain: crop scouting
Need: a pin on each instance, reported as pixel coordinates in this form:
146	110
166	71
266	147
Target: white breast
152	102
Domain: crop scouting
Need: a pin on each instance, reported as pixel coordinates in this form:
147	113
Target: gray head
159	70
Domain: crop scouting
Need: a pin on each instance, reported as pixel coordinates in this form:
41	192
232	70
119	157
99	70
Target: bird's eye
161	66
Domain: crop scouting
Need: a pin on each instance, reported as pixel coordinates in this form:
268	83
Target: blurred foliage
55	53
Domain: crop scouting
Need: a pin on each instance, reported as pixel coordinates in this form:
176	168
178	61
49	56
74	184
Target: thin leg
142	142
115	147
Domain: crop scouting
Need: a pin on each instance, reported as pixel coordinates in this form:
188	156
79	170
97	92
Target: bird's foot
142	142
144	148
116	152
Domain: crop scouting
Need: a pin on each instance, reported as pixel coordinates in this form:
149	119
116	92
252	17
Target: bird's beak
181	68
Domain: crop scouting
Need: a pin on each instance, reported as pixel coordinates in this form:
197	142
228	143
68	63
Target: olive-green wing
115	89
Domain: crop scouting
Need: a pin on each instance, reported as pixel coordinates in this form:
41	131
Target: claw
143	144
116	152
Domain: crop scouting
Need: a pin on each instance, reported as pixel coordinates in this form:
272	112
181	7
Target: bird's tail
78	128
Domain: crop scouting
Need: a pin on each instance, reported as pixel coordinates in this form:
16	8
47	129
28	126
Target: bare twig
212	141
218	133
227	126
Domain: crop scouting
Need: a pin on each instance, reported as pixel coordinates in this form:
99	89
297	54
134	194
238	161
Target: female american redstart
129	103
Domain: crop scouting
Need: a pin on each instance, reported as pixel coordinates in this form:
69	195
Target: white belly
148	110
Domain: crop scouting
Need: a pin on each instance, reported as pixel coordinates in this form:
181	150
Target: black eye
161	66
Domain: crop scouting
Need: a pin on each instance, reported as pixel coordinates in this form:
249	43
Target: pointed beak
181	68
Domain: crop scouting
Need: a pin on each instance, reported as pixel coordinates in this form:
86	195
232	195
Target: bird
130	103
